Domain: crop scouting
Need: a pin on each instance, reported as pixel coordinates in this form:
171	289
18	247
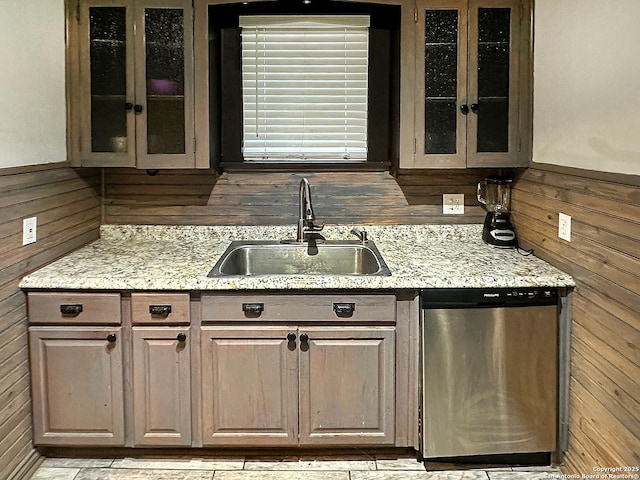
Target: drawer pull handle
111	338
160	310
71	309
181	337
344	309
253	309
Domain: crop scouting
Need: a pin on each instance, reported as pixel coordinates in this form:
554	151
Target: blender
494	192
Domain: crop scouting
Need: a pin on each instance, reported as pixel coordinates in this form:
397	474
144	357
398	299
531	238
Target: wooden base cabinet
162	386
77	385
296	385
347	382
249	386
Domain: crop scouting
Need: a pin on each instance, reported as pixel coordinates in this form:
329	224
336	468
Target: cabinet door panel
77	386
161	386
106	80
494	28
249	386
164	84
347	386
441	83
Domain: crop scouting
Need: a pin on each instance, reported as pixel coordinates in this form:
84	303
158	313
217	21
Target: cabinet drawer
74	308
339	307
159	308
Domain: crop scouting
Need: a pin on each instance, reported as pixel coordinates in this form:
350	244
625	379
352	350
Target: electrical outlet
564	226
453	203
29	226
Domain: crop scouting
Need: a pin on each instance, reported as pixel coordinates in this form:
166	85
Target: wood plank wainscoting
604	257
203	198
67	205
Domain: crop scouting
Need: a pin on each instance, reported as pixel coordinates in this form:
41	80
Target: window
304	88
312	82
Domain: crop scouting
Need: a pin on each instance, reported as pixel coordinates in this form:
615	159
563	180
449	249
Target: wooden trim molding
32	168
625	179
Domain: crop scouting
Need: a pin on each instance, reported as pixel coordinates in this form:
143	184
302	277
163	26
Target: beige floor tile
521	475
132	474
413	475
281	475
537	469
309	464
399	464
77	462
180	464
54	473
459	475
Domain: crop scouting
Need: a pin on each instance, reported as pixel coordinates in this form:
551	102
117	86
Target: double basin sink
325	257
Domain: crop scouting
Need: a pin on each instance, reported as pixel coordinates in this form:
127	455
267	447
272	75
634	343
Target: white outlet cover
564	226
453	203
29	226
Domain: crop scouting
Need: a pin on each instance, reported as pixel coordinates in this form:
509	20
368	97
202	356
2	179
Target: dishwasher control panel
488	297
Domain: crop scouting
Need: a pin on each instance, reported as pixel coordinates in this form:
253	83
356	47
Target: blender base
498	230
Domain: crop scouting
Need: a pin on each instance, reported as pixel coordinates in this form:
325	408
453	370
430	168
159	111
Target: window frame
223	131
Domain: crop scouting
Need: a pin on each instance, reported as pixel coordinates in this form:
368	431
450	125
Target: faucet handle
360	233
312	227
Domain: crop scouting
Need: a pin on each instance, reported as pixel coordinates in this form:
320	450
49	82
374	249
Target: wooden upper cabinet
131	95
471	84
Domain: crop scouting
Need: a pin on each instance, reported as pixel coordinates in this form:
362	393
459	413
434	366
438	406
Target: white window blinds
304	85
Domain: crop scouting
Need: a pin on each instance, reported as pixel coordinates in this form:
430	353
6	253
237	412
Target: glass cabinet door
136	83
467	83
441	82
493	81
164	81
106	66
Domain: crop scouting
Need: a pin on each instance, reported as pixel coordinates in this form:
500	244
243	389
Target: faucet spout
304	197
306	216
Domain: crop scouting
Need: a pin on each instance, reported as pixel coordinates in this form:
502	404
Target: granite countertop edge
178	258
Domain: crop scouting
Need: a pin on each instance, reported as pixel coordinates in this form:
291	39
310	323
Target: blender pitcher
494	192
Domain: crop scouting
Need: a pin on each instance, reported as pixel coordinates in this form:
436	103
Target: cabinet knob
475	107
464	108
182	337
137	108
291	337
128	106
304	338
111	338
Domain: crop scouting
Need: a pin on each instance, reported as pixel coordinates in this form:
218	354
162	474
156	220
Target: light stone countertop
137	257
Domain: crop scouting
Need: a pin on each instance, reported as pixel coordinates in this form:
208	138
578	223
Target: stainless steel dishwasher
489	371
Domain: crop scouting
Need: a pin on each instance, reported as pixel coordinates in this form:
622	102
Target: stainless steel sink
331	257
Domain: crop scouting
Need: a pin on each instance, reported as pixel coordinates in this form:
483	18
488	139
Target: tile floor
291	468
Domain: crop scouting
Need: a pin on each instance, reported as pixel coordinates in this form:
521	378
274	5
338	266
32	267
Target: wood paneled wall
604	258
67	206
202	198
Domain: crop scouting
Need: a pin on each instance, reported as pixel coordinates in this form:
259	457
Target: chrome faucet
306	216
